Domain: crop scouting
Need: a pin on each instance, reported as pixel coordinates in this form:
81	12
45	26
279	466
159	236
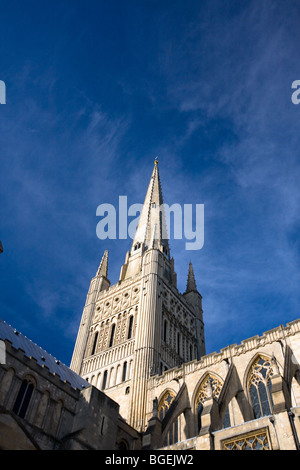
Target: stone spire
98	284
103	267
152	228
191	283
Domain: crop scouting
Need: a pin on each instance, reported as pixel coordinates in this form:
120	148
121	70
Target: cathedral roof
43	358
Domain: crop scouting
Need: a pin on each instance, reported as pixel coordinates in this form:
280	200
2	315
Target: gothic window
259	386
95	343
257	440
165	404
112	334
163	408
130	326
23	398
210	385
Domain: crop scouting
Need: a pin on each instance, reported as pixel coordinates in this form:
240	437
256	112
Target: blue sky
96	90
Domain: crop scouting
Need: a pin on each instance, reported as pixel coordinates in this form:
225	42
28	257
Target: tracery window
257	440
165	404
259	386
163	408
211	385
23	398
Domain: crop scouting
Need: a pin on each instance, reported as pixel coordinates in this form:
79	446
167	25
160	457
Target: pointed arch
259	386
164	405
24	397
202	392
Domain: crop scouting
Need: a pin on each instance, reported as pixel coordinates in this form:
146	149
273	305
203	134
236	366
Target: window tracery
210	386
259	386
163	408
165	403
252	441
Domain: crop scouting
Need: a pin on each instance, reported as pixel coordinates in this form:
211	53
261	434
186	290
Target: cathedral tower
142	325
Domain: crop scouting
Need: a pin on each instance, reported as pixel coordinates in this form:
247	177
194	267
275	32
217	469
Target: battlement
230	351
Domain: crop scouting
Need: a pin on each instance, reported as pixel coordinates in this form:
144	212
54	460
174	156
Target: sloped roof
43	358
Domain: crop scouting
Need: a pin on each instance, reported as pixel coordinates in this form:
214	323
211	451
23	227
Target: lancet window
130	326
112	335
23	398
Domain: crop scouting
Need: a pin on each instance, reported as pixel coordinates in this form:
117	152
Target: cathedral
140	378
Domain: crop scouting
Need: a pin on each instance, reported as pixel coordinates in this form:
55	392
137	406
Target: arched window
124	372
163	407
95	343
104	382
112	334
209	385
23	398
123	445
165	404
259	386
130	326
